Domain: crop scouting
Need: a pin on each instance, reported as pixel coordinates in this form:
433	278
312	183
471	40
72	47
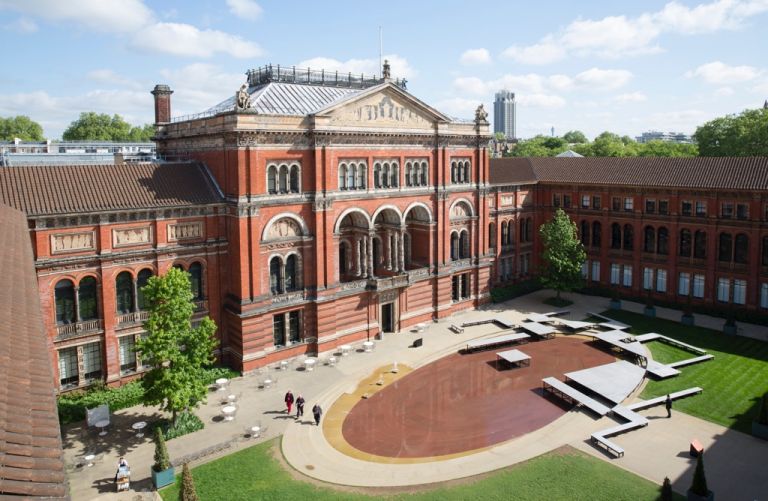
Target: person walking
299	407
317	411
668	405
289	401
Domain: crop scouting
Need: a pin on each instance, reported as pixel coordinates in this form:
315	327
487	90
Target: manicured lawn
562	475
666	353
733	382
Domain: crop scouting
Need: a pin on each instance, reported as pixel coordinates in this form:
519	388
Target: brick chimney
162	95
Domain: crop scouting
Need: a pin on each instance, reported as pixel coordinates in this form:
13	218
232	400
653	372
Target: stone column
287	323
389	250
370	256
281	285
77	305
401	250
358	253
135	295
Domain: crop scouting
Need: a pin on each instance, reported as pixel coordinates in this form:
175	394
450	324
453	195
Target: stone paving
304	444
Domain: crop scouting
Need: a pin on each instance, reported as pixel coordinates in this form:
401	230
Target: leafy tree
667	149
740	135
175	351
21	127
575	137
93	126
539	146
499	136
563	254
162	462
699	485
187	492
666	490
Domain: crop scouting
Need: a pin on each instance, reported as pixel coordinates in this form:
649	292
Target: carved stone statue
242	98
480	114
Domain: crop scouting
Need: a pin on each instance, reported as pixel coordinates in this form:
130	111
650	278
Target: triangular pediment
382	106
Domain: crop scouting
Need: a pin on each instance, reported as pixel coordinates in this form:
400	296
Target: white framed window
723	290
739	291
647	278
629	203
661	280
627	281
595	271
615	274
284	177
585	200
92	361
584	269
127	348
698	286
684	284
68	373
764	295
525	261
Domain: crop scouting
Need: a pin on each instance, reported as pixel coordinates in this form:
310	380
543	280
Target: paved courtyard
735	461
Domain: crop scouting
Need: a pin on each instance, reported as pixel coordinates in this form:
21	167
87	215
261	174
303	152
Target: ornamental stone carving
460	211
480	114
185	231
131	236
381	110
72	242
242	98
284	228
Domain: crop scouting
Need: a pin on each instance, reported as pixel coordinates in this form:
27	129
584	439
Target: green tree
575	137
740	135
563	254
21	127
162	462
187	491
93	126
666	490
175	351
666	149
539	146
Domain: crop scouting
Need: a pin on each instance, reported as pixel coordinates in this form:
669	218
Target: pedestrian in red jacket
289	401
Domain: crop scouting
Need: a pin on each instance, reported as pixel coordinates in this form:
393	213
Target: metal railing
291	74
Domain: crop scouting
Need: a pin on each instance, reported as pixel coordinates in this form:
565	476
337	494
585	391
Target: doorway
388	317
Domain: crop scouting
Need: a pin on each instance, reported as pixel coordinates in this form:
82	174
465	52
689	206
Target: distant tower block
552	130
505	114
162	95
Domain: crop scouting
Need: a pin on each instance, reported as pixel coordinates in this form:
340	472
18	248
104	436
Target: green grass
563	475
666	353
733	382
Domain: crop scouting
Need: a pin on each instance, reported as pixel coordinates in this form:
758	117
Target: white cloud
619	36
631	97
186	40
199	86
475	56
597	79
107	76
719	73
22	25
459	107
246	9
545	52
724	91
99	15
541	100
400	66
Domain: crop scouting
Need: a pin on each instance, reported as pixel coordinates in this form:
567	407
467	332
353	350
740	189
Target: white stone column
370	256
358	254
401	250
389	249
77	305
287	324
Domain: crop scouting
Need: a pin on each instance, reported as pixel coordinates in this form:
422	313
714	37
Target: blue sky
592	66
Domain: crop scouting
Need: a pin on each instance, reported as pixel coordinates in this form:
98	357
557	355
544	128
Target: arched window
725	247
362	176
283	178
765	251
377	175
295	179
196	281
343	176
275	278
377	255
662	241
408	174
291	284
386	174
64	294
454	178
86	296
272	179
685	243
351	176
741	249
649	239
454	246
466	172
700	245
424	173
343	253
464	244
615	236
584	236
124	293
395	175
141	280
504	232
492	235
629	237
597	230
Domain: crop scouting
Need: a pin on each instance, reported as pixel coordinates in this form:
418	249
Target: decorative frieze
125	237
73	242
185	231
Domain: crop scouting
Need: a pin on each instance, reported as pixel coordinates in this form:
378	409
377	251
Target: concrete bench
644	404
456	329
610	446
571	394
691	361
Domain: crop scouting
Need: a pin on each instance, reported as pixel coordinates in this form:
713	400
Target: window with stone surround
461	171
416	173
353	175
386	174
127	350
92	364
68	372
283	177
460	287
286	328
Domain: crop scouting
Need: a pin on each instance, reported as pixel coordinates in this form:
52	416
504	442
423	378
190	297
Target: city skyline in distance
667	66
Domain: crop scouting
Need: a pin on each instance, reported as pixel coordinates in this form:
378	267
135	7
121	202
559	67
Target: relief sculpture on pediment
381	111
72	242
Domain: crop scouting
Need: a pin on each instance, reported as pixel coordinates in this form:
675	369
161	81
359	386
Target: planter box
649	311
760	430
730	329
615	304
686	319
695	497
163	478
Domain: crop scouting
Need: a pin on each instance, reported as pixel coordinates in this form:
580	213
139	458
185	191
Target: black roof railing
307	76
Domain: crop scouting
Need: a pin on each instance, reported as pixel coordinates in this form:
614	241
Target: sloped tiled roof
31	462
64	189
730	173
279	98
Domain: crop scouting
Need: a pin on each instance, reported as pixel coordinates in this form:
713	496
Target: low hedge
72	405
507	292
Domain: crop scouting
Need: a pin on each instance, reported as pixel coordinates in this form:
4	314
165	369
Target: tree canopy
21	127
742	135
575	137
175	351
563	254
93	126
606	144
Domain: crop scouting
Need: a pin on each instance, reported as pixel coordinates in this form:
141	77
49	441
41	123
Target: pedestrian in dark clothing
317	411
668	405
299	407
289	401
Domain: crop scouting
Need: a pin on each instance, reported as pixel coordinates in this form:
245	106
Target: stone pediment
383	108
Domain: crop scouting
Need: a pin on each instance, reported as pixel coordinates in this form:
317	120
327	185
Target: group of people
317	411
